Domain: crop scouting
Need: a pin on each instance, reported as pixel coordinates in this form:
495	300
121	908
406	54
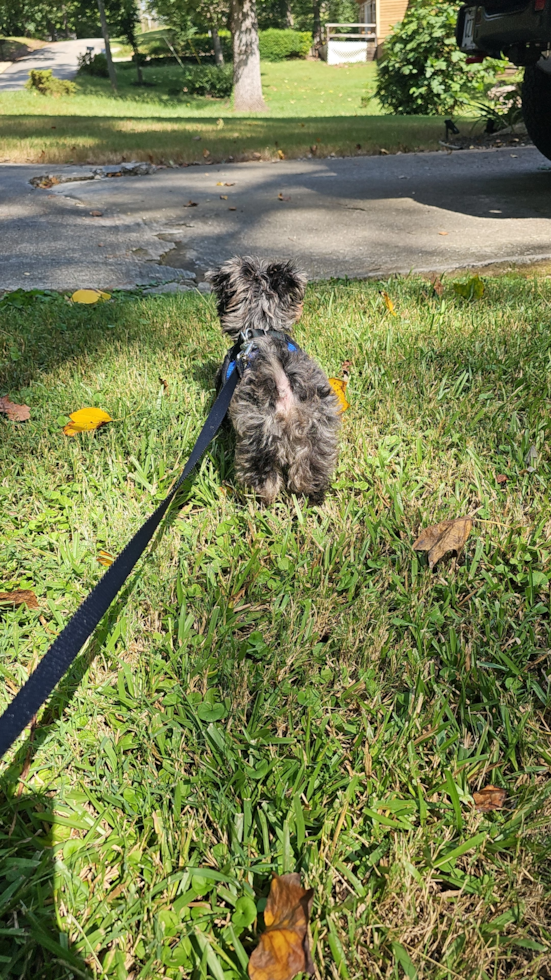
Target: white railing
367	32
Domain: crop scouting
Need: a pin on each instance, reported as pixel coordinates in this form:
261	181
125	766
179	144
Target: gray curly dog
284	411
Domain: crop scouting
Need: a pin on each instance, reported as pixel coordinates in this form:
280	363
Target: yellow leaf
388	303
90	296
105	558
339	387
85	420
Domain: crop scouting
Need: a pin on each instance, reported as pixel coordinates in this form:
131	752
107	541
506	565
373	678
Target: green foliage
276	45
205	80
422	70
46	83
202	45
93	64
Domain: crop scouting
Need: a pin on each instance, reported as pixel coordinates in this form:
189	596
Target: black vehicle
521	32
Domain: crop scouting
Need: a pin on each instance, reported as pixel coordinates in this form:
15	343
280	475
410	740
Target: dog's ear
286	282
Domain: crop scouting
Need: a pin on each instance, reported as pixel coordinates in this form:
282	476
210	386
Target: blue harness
243	351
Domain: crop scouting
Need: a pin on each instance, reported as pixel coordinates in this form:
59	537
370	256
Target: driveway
362	216
61	57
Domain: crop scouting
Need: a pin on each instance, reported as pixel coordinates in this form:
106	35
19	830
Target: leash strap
70	641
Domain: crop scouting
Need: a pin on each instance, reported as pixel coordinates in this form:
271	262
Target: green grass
290	688
310	104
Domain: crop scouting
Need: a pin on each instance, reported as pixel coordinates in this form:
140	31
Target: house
362	41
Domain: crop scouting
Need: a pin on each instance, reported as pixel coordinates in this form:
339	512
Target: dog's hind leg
260	472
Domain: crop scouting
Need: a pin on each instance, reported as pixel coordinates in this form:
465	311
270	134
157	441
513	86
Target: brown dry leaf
283	197
20	597
206	153
284	948
85	420
490	798
16	413
257	156
96	214
223	197
438	286
388	303
442	232
164	383
232	209
446	536
501	478
191	204
230	183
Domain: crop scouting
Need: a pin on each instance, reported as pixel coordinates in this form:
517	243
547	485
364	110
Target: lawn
310	104
289	688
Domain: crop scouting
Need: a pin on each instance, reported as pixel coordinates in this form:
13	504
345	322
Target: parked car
521	32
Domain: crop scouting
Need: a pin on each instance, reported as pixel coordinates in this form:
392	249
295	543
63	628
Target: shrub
95	64
205	80
422	71
278	45
47	84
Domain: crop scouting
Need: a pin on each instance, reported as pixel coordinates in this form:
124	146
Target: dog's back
284	411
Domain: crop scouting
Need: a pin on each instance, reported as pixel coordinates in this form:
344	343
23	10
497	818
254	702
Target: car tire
536	107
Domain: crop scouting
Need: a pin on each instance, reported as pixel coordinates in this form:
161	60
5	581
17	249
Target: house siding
389	12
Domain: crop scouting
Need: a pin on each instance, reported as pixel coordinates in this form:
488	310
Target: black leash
70	641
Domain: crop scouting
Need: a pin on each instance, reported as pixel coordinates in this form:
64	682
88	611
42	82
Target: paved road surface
61	57
363	216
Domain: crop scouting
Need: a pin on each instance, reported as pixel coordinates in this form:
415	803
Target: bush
279	45
422	71
47	84
205	80
96	64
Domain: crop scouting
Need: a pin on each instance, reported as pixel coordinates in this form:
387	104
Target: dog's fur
284	411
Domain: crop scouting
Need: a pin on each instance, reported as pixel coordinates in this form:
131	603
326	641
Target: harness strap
80	627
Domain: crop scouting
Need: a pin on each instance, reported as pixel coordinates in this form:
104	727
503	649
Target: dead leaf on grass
281	154
21	597
164	383
284	948
438	286
90	296
490	798
105	558
443	537
501	478
388	303
85	420
16	413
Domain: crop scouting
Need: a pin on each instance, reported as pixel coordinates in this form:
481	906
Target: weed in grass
288	689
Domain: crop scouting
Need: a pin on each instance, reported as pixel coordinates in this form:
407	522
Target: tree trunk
137	56
218	55
105	33
318	39
247	84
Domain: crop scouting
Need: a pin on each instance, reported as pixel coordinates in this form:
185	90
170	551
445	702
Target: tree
128	22
105	33
247	83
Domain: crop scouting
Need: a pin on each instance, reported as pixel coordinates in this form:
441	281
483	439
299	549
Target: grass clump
283	689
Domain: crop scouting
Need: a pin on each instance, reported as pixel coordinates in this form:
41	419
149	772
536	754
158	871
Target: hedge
279	45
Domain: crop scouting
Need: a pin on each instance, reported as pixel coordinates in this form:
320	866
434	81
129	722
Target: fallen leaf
164	384
443	537
90	296
257	156
105	558
281	154
472	289
219	123
383	152
339	387
16	413
85	420
191	204
230	183
284	948
358	146
21	597
96	214
283	197
490	798
206	153
501	478
219	183
388	303
232	209
438	286
223	197
443	232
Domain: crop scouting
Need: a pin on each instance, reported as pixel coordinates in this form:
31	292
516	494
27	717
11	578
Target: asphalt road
363	216
61	57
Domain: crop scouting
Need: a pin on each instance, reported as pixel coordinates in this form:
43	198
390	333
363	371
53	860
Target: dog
284	411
